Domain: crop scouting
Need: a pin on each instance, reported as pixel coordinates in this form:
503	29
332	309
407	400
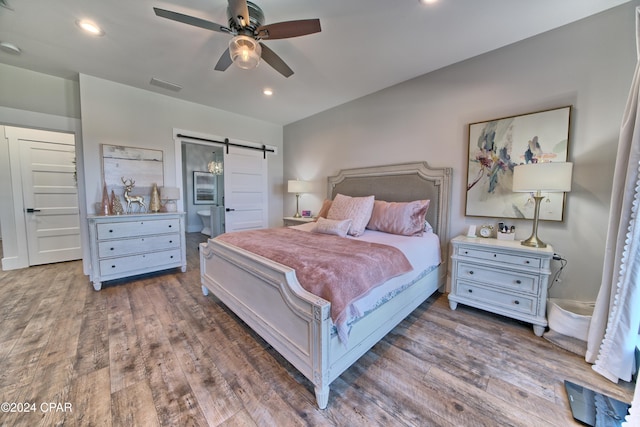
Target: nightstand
503	277
290	220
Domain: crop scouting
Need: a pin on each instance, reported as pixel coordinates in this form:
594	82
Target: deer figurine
128	186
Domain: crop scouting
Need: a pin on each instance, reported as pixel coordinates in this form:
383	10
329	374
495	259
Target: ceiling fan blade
275	61
288	29
224	62
239	10
191	20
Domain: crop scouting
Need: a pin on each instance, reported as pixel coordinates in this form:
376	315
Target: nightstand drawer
512	302
507	279
501	257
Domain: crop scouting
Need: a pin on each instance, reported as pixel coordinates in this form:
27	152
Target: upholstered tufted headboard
403	182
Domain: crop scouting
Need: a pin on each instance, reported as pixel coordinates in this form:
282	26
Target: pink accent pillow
357	209
405	219
332	226
324	210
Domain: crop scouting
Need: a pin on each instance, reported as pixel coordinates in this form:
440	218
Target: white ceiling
364	46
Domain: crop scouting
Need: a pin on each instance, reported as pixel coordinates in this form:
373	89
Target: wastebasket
570	318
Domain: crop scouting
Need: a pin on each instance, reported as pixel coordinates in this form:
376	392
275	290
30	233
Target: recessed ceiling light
90	27
10	48
268	92
427	1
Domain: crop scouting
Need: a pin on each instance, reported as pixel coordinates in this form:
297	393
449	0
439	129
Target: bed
267	296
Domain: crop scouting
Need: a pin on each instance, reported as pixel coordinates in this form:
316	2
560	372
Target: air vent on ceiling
164	84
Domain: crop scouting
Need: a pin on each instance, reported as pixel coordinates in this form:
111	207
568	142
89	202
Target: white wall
588	64
116	114
37	92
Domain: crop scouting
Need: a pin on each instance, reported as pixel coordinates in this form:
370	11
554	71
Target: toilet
205	216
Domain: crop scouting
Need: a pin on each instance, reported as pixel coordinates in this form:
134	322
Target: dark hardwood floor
155	351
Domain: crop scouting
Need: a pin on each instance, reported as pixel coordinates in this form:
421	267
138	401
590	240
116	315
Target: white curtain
613	331
633	419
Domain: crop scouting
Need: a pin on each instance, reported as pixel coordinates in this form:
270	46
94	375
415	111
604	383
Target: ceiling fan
246	21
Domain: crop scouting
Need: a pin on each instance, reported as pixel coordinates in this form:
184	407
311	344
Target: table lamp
297	187
540	178
169	195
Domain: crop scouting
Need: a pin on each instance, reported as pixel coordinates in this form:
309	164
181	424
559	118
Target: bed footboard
268	297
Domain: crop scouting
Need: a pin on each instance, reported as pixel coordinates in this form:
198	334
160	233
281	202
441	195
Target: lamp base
534	242
297	214
170	206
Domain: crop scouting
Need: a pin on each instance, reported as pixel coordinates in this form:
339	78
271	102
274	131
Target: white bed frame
267	296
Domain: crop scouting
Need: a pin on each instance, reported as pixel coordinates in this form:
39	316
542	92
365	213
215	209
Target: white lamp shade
295	186
169	193
245	52
544	177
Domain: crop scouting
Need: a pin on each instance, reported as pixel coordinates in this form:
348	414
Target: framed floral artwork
497	146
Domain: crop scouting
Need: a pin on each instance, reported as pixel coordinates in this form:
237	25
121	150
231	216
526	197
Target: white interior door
50	196
245	189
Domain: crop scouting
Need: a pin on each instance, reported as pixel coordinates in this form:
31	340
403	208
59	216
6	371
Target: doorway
43	187
241	199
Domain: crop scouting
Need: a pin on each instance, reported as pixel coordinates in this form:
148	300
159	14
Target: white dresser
127	245
503	277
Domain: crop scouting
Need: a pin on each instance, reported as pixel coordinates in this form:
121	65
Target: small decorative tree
116	204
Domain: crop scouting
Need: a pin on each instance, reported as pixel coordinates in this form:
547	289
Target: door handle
31	210
229	209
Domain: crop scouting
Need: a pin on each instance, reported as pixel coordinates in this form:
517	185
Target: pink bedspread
338	269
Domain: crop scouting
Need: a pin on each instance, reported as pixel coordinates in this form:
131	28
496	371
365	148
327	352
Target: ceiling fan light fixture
245	52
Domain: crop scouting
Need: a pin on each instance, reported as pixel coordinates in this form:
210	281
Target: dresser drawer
136	245
132	263
511	280
514	259
116	230
517	303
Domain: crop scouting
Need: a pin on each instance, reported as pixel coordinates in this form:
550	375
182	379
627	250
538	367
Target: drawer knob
518	282
170	241
171	257
516	302
112	249
110	231
495	255
170	226
527	262
470	291
113	266
471	272
466	252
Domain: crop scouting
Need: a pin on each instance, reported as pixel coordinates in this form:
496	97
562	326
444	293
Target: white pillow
332	226
357	209
427	227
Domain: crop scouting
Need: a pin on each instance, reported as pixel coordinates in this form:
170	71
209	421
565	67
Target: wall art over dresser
497	146
142	165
